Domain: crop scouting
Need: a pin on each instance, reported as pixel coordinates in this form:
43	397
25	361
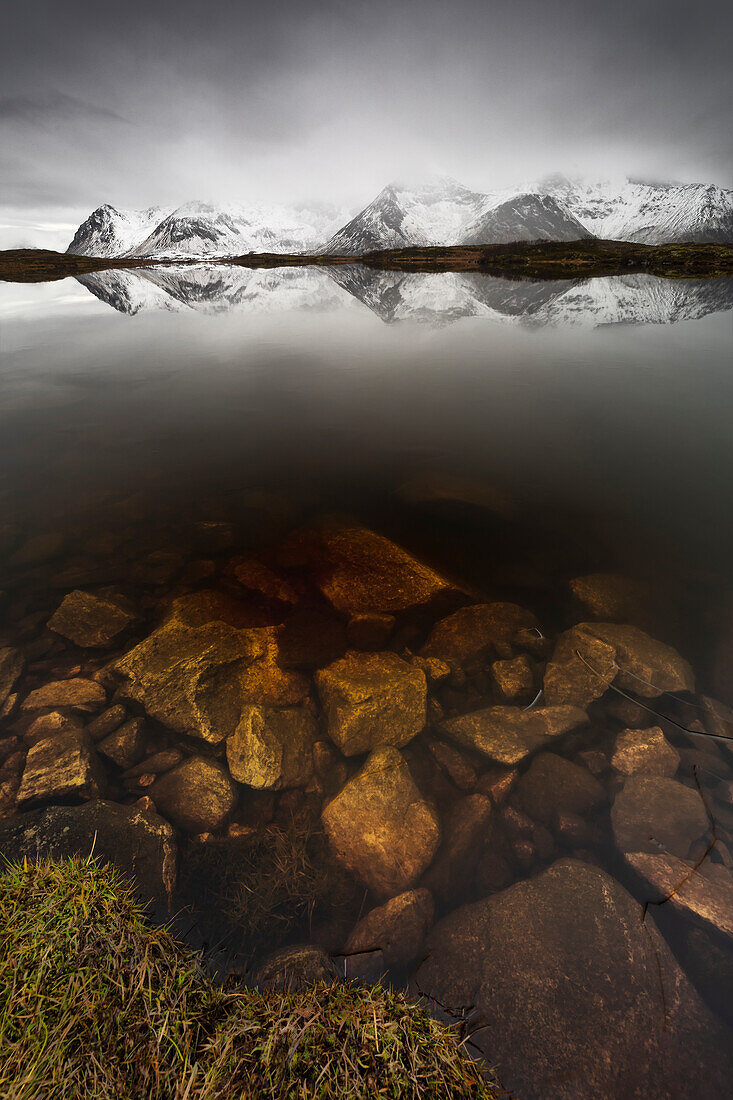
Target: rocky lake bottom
403	662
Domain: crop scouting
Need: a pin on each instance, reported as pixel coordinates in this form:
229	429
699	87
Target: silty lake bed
382	624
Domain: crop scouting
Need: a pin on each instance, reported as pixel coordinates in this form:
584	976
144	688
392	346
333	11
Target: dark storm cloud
162	101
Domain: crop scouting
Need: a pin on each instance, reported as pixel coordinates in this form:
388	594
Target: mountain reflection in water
435	299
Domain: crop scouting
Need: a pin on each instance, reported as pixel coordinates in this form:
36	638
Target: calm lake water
157	428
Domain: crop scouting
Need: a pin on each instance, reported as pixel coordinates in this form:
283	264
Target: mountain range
438	212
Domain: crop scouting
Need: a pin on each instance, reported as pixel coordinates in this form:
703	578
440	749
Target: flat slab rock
76	693
571	996
142	845
704	894
507	734
372	699
380	827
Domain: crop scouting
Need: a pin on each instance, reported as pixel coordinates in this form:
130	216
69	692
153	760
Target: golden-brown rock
271	749
644	750
197	796
380	827
507	734
195	673
481	630
61	767
372	699
92	620
397	928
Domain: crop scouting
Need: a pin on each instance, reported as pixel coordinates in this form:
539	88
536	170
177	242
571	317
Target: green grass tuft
95	1003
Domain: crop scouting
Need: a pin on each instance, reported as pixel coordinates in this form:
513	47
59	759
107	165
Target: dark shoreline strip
524	260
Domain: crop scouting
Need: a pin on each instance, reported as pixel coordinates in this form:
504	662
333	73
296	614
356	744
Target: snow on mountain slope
400	217
647	213
111	232
439	212
527	217
200	229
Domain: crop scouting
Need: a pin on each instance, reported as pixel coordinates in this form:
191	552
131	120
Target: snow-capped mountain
402	216
111	232
645	212
557	209
444	212
438	212
199	229
527	217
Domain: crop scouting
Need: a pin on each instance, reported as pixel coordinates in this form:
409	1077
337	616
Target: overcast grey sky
160	101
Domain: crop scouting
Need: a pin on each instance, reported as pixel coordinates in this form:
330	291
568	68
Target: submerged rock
295	969
61	767
195	673
397	929
553	785
508	734
372	699
271	749
77	694
572	995
590	657
475	631
654	814
647	751
380	827
514	679
51	724
106	722
648	668
693	906
465	829
581	668
142	845
11	666
197	796
609	596
360	571
92	621
125	745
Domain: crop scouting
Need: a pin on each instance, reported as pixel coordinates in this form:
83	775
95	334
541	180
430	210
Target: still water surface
158	427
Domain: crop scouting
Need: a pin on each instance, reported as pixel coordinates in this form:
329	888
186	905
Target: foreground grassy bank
530	260
94	1002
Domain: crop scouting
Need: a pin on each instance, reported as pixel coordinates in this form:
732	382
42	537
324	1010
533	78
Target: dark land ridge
534	260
